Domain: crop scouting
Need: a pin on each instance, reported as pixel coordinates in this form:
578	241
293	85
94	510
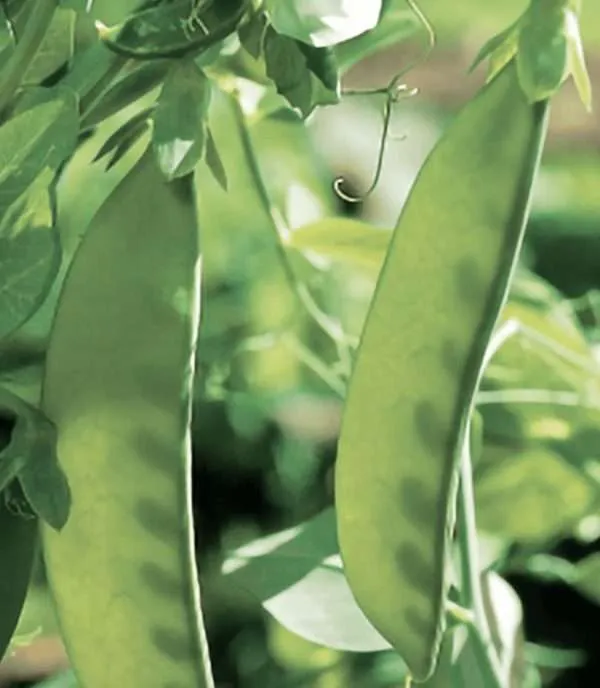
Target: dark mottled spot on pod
155	455
173	644
159	580
414	567
469	281
156	519
415	502
428	426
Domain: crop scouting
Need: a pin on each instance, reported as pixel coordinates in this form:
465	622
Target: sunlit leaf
297	576
340	239
531	495
324	22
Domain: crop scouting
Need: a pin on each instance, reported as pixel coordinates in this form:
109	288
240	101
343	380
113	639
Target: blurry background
263	452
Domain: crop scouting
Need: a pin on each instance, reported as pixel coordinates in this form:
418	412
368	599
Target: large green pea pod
420	359
118	387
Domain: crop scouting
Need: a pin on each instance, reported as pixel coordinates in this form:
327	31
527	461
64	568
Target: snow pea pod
118	387
420	359
175	29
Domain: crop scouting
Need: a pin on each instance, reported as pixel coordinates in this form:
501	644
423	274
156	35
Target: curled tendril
395	91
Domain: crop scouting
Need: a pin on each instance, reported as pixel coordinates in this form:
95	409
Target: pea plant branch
279	230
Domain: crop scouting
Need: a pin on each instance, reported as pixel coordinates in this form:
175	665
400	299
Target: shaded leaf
56	48
121	140
174	29
252	34
18	545
180	120
33	145
290	65
88	68
127	90
33	445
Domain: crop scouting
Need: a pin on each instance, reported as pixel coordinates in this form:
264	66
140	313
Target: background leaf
396	25
297	576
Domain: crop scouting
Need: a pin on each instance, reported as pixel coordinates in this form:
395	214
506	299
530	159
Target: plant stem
280	231
315	364
37	24
470	589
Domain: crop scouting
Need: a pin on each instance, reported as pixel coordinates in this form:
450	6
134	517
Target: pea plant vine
102	336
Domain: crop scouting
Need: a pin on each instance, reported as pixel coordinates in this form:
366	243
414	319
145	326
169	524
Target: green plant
97	402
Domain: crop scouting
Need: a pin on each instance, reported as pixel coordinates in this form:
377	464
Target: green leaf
340	239
326	23
542	56
43	482
88	69
396	25
18	545
11	462
322	63
287	64
135	84
174	29
33	145
500	49
180	120
531	495
125	137
252	34
56	48
33	446
576	60
298	578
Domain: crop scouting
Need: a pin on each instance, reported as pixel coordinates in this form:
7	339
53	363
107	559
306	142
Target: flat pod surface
117	385
18	545
441	288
